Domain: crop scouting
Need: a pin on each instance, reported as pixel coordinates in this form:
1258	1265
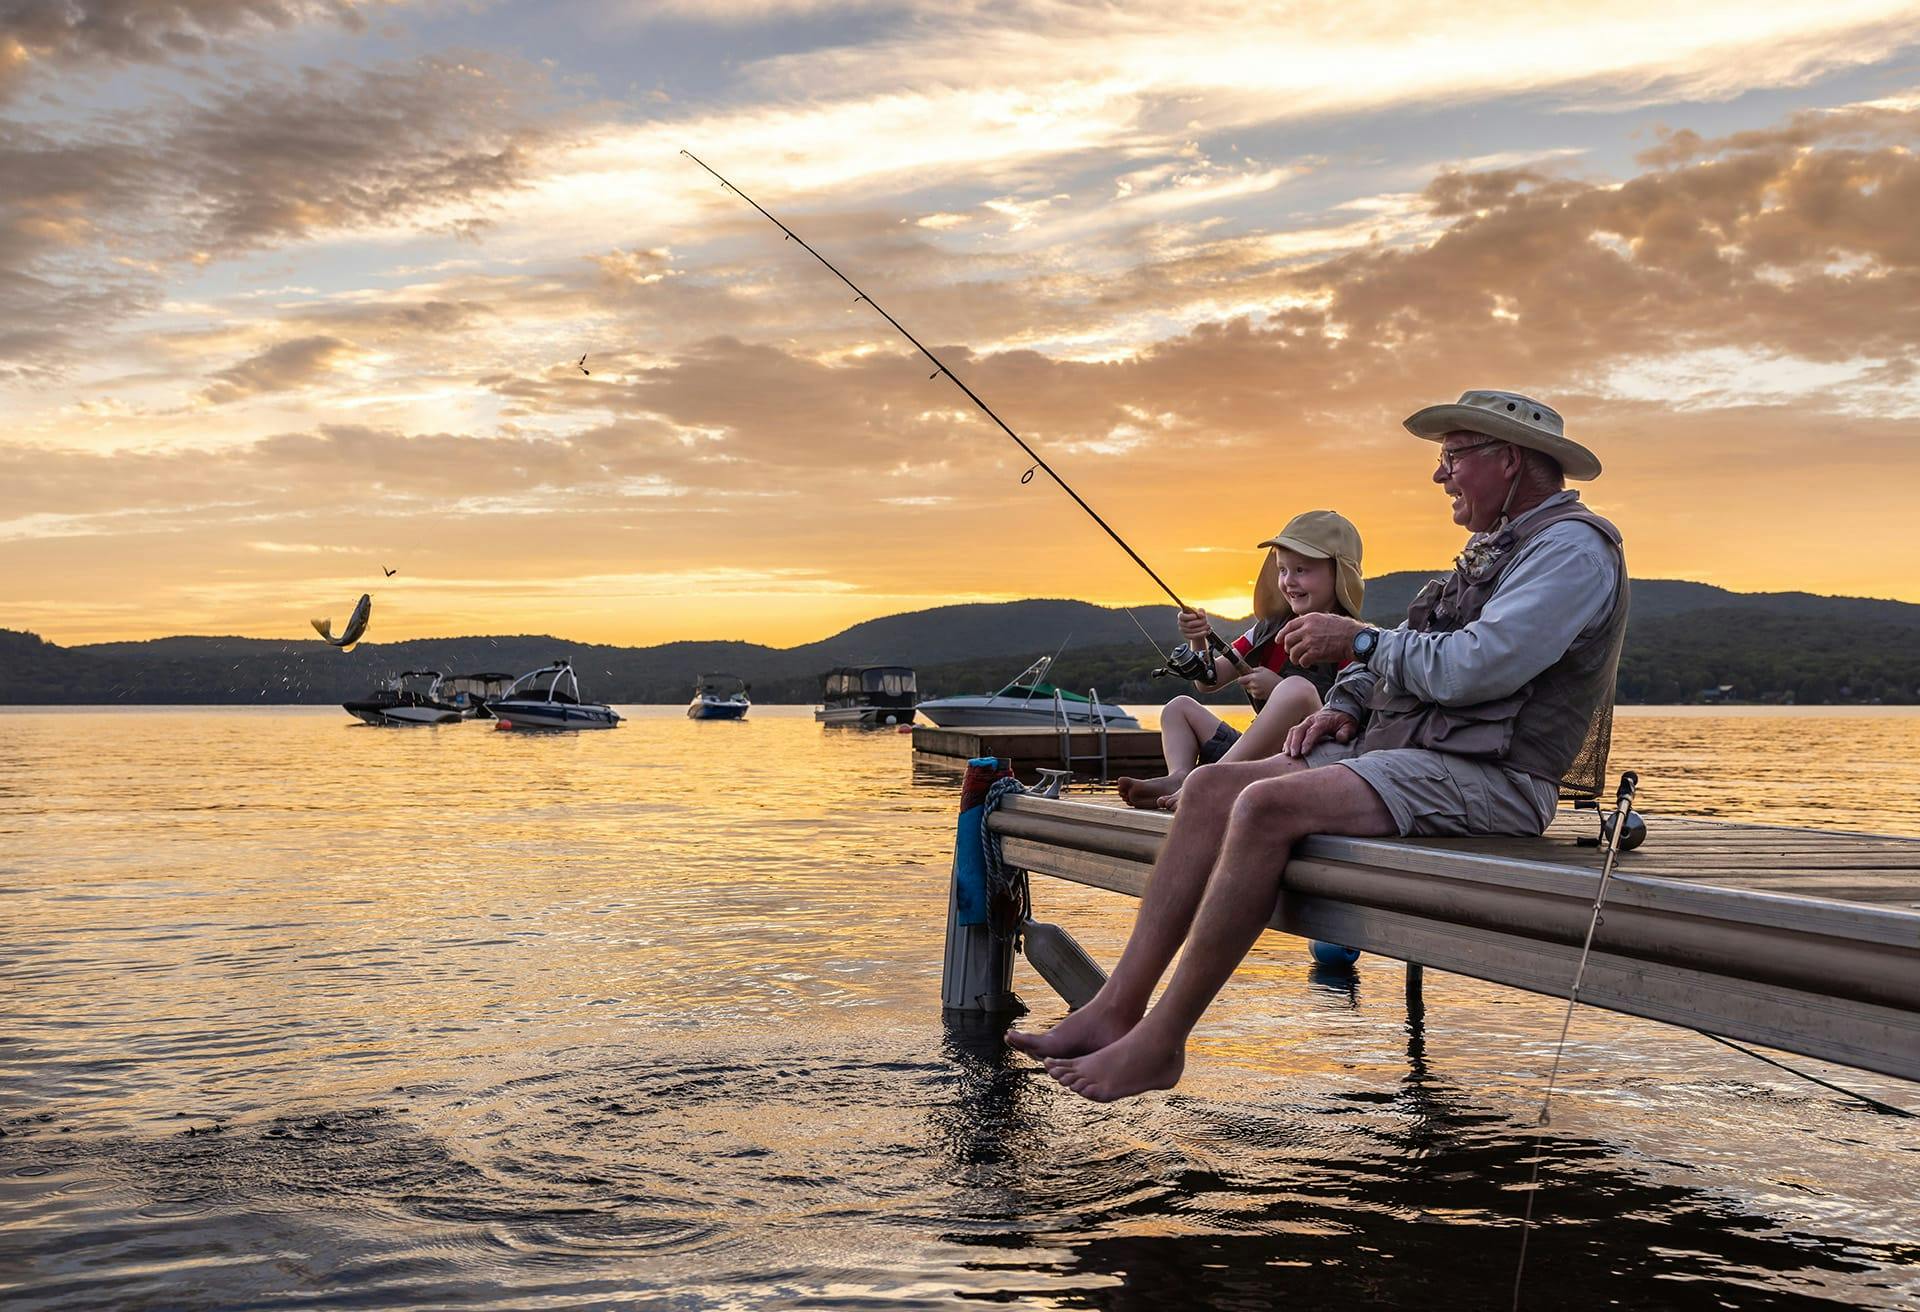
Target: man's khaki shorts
1437	794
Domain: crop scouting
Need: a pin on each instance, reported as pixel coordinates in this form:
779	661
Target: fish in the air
356	625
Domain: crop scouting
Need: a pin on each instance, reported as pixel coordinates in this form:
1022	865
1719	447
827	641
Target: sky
292	293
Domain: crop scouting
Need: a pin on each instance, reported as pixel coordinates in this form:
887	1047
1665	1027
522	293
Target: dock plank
1803	940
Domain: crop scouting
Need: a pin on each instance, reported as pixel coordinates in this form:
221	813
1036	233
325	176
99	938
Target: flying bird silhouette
390	572
582	367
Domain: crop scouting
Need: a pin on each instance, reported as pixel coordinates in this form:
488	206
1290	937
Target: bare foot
1171	802
1146	793
1130	1065
1086	1030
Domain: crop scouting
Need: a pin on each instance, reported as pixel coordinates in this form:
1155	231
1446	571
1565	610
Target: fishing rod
1214	642
1613	834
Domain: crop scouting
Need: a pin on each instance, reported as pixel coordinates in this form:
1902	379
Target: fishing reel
1185	663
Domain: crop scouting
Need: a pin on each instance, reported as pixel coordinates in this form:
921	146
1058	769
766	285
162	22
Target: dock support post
1416	992
977	975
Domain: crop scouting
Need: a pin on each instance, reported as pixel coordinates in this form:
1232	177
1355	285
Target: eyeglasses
1449	458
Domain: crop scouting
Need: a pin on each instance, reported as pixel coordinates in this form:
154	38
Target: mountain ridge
1684	637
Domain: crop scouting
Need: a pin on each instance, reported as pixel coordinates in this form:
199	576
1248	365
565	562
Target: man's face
1475	470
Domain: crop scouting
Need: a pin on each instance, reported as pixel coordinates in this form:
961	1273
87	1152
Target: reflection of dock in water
1800	939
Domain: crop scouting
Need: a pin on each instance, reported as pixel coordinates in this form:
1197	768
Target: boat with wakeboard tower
867	696
719	697
1026	700
549	698
403	700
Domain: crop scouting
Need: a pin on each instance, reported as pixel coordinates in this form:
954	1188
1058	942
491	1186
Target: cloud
90	229
280	368
71	34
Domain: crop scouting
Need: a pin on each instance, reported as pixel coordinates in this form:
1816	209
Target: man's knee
1273	806
1211	785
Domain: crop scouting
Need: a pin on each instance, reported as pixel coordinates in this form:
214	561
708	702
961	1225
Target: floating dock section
1088	753
1803	940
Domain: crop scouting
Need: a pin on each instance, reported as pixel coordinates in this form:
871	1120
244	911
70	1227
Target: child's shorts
1216	747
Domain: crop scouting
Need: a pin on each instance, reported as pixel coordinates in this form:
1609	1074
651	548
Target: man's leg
1166	910
1265	821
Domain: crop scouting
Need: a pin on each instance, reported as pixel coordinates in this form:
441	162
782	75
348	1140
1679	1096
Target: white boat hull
554	715
994	712
868	716
717	708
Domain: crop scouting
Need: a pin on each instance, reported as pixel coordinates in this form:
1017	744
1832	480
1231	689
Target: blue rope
1001	882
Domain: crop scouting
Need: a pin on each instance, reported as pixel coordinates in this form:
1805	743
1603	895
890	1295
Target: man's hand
1260	684
1317	728
1319	639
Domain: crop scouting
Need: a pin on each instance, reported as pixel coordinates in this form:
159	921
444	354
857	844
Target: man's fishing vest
1559	725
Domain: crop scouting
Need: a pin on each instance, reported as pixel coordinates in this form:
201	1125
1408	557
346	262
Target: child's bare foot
1134	1064
1146	793
1087	1030
1171	802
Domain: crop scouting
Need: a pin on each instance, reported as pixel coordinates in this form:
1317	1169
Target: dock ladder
1063	726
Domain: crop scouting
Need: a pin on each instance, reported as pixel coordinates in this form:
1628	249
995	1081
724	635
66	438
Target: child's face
1307	583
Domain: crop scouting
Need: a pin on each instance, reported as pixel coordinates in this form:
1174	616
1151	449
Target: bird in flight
390	572
582	367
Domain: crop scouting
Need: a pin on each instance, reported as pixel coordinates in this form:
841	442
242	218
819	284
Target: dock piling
977	974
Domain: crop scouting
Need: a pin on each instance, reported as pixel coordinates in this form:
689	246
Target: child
1313	565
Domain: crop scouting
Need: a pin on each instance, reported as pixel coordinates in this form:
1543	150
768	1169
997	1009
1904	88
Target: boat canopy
721	685
851	680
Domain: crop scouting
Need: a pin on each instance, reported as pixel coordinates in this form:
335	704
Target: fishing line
1214	641
1885	1108
1622	807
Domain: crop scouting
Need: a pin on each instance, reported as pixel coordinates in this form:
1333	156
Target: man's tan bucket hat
1510	417
1319	535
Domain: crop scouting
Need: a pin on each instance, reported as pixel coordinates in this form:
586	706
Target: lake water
300	1013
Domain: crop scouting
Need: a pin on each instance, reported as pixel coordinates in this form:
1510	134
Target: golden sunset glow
291	292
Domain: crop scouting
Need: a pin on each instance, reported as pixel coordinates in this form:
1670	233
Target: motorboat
472	692
719	697
403	700
1026	700
549	698
869	696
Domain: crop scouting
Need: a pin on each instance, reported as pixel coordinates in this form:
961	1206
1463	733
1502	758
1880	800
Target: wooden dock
1032	749
1803	940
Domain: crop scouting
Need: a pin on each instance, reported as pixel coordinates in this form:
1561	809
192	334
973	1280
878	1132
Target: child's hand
1194	625
1260	684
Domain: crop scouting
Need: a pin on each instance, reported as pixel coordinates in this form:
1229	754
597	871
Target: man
1495	695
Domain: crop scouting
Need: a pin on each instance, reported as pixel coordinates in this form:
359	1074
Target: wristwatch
1363	644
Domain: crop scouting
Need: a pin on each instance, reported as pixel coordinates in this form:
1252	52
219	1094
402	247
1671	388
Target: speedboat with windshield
869	696
1026	700
549	698
403	699
719	697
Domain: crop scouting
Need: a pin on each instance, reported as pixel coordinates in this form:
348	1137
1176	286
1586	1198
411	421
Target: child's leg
1293	700
1184	726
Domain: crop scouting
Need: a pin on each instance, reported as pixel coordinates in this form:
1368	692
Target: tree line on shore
1697	656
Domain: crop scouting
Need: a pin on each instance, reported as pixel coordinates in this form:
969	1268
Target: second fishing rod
1214	642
